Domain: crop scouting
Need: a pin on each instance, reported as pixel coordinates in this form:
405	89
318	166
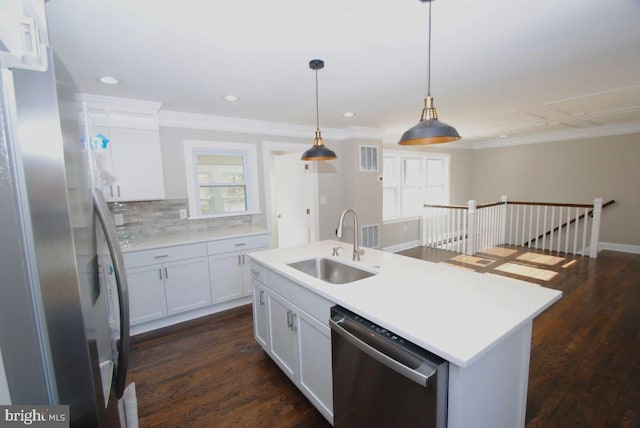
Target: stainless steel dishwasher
383	380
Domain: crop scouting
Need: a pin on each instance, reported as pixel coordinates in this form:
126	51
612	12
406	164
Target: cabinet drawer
164	254
237	244
310	302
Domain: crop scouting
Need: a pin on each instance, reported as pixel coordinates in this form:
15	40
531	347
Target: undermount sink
330	270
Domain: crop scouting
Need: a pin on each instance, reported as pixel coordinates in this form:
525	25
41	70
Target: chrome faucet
357	252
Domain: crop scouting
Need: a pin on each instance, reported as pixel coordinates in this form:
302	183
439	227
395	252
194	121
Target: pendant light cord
317	108
429	54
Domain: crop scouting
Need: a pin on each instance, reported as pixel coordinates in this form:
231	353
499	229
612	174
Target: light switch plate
183	213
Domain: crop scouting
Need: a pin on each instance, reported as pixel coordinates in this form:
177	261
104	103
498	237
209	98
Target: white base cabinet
180	283
260	314
187	285
229	266
147	298
190	280
292	326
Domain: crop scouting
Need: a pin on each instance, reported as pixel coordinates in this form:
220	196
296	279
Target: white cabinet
186	283
147	298
294	330
167	281
314	348
260	314
229	266
130	166
283	335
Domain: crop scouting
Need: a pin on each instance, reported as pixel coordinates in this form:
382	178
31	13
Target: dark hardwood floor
585	359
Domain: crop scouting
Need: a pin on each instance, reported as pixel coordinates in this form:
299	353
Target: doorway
292	195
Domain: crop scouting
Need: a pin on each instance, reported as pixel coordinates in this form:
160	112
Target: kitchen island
480	323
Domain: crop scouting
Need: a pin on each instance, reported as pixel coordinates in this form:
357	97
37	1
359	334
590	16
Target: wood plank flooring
585	360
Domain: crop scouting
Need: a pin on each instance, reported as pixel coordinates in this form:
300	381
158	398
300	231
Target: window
221	179
412	179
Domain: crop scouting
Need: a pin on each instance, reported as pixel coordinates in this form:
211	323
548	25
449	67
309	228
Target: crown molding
179	119
128	105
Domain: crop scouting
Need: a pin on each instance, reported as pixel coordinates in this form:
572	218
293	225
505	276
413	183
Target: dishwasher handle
419	375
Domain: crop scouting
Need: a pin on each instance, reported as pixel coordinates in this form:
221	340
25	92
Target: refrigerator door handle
104	215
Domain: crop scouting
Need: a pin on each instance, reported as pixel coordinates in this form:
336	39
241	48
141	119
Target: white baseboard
403	246
624	248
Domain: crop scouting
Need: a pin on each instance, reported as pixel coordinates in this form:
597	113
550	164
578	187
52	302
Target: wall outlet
183	213
118	219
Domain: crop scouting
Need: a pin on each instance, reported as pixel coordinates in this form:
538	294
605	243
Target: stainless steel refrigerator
63	300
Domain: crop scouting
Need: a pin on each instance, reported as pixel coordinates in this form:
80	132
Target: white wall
329	172
568	171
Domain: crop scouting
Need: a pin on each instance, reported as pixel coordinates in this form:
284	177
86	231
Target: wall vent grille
368	158
371	236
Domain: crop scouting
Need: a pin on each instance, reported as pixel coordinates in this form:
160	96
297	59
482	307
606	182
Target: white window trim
251	175
424	156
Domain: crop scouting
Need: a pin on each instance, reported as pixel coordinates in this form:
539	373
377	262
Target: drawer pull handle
240	244
166	273
162	256
160	270
261	297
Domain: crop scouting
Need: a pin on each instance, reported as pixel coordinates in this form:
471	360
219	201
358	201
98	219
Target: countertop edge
193	240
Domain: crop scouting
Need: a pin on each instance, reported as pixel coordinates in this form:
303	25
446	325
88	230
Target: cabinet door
314	340
226	277
104	162
260	315
187	284
283	342
146	294
137	164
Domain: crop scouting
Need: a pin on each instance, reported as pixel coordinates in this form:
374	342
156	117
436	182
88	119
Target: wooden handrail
552	204
490	204
565	224
457	207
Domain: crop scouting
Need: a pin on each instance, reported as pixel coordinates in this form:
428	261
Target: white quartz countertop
454	313
181	238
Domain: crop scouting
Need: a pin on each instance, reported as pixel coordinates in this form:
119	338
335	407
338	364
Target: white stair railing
556	227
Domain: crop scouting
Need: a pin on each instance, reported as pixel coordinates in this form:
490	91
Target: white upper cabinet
126	145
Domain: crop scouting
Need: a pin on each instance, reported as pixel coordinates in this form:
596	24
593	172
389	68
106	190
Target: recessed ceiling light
230	98
349	114
503	136
108	80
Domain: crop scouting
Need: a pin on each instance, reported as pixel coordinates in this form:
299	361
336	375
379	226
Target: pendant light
319	151
429	130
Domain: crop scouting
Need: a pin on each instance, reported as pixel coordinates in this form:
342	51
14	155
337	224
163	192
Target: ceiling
524	70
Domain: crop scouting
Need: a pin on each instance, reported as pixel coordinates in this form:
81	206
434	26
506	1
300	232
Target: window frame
248	152
398	183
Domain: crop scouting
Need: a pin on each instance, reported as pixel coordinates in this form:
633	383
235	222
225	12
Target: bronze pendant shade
429	130
318	151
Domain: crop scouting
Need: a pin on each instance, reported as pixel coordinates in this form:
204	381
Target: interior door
292	200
